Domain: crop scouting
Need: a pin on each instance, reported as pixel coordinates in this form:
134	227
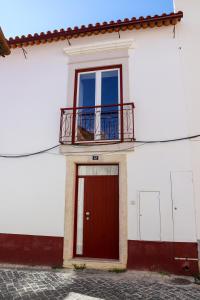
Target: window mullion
120	110
76	112
98	109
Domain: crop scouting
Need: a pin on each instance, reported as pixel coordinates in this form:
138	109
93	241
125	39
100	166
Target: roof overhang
120	25
4	47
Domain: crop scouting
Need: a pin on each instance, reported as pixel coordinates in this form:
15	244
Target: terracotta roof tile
4	48
112	26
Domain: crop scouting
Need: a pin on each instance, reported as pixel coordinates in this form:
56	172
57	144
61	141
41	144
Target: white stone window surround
98	54
99	47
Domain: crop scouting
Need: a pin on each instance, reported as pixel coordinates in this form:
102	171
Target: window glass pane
109	87
98	170
110	115
79	239
85	129
87	89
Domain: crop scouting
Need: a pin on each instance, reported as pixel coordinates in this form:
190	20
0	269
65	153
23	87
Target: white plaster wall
32	189
188	41
29	120
157	89
32	92
32	195
149	169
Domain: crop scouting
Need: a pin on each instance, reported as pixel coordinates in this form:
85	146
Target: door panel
101	217
150	216
183	206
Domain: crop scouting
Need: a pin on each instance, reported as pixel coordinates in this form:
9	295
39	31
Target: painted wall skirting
142	255
31	250
163	256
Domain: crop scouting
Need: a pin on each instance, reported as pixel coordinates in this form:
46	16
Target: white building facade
107	196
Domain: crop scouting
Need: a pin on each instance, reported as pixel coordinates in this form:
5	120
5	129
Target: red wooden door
101	217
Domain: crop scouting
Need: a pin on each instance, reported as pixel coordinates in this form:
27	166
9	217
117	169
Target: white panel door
149	216
183	206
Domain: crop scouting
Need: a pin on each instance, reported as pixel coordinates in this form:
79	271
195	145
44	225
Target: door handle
87	214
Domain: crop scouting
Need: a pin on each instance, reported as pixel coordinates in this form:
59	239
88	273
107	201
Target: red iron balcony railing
97	124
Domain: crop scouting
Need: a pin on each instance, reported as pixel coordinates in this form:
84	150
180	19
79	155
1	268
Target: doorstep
99	264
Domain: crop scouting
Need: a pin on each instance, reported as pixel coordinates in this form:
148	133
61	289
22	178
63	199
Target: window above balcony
99	113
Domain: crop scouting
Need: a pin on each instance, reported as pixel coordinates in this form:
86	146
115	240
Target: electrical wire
170	140
28	154
101	151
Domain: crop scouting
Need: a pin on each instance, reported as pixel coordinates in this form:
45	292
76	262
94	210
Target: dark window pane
109	87
85	130
110	115
87	89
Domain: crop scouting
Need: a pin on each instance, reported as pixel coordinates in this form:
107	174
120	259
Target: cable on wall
170	140
119	150
28	154
69	43
24	53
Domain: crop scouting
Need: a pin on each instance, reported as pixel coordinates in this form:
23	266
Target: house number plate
95	157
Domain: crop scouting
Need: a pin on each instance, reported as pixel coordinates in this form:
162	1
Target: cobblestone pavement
91	285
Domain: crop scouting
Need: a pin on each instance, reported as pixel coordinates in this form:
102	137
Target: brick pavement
91	285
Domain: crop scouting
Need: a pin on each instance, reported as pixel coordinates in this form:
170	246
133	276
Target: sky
21	17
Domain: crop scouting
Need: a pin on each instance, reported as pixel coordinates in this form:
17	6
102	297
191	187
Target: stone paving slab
30	284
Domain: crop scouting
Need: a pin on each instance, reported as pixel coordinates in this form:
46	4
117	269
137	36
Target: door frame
68	251
76	202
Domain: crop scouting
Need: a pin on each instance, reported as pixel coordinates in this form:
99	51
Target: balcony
97	124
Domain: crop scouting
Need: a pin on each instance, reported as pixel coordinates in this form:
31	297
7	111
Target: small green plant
79	267
164	273
117	270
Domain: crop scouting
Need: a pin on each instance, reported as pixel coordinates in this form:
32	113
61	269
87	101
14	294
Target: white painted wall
32	195
157	89
29	120
149	169
32	190
188	40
